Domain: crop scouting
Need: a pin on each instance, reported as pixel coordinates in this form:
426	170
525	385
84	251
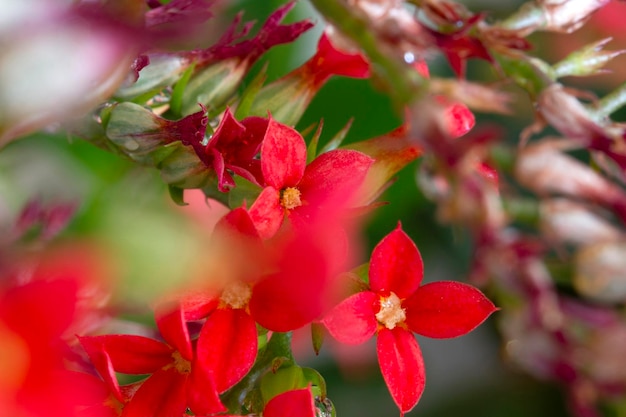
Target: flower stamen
236	295
290	198
181	364
391	312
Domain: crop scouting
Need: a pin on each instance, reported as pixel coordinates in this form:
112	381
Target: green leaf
176	102
177	195
249	94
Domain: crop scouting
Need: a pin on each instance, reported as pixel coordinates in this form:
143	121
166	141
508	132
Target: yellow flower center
391	312
181	364
236	294
290	198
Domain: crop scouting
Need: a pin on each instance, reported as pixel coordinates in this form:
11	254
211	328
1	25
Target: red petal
283	155
396	265
296	403
295	295
446	309
267	213
50	304
335	173
202	396
227	346
239	222
173	328
198	305
132	354
402	366
353	321
102	362
329	61
161	395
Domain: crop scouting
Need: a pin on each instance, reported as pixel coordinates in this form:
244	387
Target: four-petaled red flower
396	306
295	189
177	380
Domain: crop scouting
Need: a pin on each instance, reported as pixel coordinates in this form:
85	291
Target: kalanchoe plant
176	87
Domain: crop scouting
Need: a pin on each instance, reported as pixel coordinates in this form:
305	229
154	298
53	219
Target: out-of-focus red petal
296	403
132	354
329	61
202	395
283	155
446	309
198	305
353	321
171	324
49	304
332	174
396	265
164	394
294	296
237	221
227	346
267	213
402	366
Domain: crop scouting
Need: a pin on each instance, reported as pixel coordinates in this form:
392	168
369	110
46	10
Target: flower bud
566	221
587	61
568	15
601	272
545	170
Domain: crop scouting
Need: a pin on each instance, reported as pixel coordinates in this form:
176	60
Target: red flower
396	306
295	403
294	189
329	61
177	380
234	146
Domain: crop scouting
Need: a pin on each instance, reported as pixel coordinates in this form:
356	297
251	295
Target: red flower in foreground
295	403
177	381
396	306
294	188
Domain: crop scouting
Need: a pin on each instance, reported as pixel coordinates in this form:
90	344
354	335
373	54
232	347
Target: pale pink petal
396	265
402	366
353	321
446	309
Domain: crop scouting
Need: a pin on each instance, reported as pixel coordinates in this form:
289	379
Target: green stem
610	103
246	396
404	84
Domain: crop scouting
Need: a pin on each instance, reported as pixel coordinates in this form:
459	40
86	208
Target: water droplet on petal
409	58
131	145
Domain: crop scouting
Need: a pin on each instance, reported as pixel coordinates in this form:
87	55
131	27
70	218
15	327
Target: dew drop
409	58
131	145
324	407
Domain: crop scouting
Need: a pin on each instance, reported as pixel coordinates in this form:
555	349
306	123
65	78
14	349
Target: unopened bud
587	61
566	221
544	170
568	15
601	272
214	85
161	71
